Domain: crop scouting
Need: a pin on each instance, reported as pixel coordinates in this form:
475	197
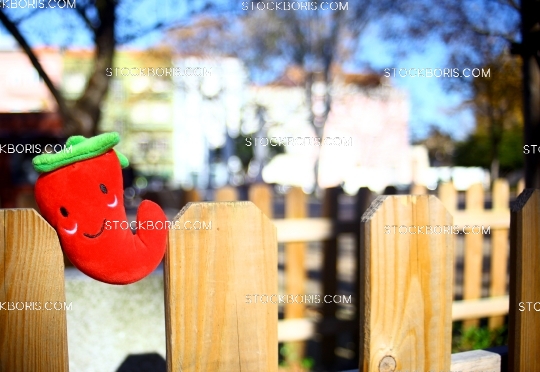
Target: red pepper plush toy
80	193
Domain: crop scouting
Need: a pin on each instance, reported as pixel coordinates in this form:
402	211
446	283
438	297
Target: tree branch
135	35
87	109
81	11
13	30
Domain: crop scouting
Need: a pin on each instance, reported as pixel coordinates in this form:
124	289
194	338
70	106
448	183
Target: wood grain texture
33	339
208	273
261	195
227	193
406	287
472	277
499	248
524	327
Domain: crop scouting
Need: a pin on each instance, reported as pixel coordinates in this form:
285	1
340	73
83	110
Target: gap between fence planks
406	287
208	273
32	274
524	327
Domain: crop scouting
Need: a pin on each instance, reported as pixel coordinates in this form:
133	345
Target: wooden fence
405	293
295	230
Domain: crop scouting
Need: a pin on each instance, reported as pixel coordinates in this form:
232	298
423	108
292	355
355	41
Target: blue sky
430	104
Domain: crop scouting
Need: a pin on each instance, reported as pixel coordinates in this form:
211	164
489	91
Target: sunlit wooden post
218	287
33	330
524	327
406	285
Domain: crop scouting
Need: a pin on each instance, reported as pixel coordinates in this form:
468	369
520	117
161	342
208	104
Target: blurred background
347	69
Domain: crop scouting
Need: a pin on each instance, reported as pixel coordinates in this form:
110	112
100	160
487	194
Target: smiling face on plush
82	201
79	198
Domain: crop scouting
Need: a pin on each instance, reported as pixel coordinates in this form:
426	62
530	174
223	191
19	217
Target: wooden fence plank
191	196
520	186
472	361
476	360
418	190
330	210
208	274
295	272
406	288
306	328
261	195
483	307
497	219
227	193
499	248
472	277
33	338
364	197
524	327
303	230
448	196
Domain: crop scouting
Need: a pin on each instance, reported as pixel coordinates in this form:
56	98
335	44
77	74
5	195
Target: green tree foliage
497	140
475	151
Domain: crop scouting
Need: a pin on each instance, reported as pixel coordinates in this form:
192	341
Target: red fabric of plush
81	201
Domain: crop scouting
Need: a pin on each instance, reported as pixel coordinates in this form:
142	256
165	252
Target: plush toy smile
78	192
99	233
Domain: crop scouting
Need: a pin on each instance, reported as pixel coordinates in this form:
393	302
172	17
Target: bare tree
100	19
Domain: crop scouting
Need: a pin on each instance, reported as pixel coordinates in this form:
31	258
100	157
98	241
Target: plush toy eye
103	188
64	211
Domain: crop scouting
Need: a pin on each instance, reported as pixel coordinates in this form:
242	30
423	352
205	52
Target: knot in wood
387	364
